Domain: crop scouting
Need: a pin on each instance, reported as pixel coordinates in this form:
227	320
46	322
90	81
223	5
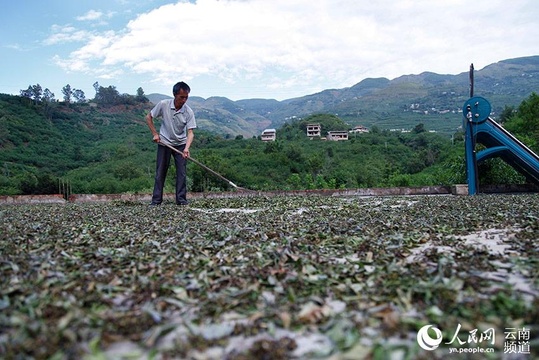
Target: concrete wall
32	199
422	190
82	198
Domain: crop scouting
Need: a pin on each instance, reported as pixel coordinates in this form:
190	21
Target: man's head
180	86
181	94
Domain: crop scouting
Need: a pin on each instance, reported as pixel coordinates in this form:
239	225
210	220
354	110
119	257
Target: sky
245	49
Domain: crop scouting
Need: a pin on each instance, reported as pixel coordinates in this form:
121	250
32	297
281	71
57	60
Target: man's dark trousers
161	169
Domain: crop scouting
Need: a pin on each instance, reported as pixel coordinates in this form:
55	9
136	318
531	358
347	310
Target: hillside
432	99
39	143
107	148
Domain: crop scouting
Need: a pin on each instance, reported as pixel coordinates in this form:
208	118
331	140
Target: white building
268	135
338	135
313	130
359	129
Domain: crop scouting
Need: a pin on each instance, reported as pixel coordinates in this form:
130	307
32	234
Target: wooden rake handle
203	166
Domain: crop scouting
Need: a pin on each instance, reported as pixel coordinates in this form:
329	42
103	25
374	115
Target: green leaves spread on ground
273	278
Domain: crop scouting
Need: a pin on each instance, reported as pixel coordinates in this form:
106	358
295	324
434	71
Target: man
178	122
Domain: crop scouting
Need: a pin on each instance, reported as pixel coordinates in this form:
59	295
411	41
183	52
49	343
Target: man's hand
156	138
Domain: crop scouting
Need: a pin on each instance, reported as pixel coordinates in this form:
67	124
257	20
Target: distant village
315	130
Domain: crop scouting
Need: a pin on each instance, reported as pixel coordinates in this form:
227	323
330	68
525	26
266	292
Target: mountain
429	98
155	98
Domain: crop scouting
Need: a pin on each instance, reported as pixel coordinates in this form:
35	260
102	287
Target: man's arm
190	137
149	121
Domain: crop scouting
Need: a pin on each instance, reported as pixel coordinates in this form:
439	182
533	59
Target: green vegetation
43	142
105	147
296	162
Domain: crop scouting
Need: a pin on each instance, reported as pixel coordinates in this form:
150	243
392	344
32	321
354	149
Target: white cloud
307	44
90	16
64	34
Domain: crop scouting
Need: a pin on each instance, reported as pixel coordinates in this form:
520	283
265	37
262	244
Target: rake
206	168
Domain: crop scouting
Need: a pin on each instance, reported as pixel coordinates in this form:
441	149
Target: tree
27	93
27	183
294	181
34	92
524	124
48	96
66	90
96	87
140	96
419	128
79	95
48	99
315	163
507	113
273	147
37	93
108	96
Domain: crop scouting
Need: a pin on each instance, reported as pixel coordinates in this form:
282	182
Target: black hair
180	86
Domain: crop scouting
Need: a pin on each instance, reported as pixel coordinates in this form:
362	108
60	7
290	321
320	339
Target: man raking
176	130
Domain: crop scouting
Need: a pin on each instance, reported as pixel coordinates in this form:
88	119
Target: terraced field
272	278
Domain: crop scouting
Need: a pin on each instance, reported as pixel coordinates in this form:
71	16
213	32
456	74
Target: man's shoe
154	204
183	203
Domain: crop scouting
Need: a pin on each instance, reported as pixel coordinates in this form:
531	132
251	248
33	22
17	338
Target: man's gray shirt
175	123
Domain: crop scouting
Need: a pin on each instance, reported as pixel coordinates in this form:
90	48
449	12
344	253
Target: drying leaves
256	277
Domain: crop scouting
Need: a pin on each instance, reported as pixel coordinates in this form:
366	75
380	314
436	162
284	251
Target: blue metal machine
480	128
